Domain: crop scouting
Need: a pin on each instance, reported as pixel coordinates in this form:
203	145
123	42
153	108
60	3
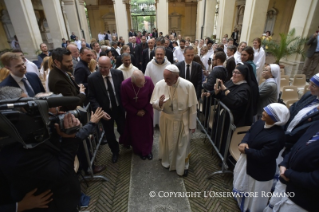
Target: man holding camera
48	167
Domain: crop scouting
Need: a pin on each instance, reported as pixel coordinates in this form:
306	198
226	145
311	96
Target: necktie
111	92
28	88
187	73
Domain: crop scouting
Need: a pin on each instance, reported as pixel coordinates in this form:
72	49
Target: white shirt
210	52
178	54
20	83
31	67
78	44
204	60
299	116
112	83
101	36
190	69
118	49
149	53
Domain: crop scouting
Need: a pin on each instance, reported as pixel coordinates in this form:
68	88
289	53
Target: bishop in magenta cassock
136	93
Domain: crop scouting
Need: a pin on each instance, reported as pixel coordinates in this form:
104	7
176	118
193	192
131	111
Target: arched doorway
143	13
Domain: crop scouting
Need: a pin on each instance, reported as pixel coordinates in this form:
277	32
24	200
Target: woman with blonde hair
4	72
46	66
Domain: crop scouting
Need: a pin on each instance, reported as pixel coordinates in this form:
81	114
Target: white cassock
177	118
259	60
155	72
237	57
127	72
204	60
178	54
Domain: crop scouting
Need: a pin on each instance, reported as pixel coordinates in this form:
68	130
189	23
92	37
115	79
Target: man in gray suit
311	65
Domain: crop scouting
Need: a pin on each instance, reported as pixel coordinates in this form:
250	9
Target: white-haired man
176	98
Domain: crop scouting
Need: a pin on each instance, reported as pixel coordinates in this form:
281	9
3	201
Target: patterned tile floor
113	194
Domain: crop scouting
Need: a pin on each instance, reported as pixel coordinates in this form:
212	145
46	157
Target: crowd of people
156	81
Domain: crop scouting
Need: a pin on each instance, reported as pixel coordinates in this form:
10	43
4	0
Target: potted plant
287	45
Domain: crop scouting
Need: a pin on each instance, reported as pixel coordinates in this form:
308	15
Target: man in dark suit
139	52
168	53
29	82
82	71
190	70
105	92
113	49
146	56
312	62
230	62
133	46
234	36
60	80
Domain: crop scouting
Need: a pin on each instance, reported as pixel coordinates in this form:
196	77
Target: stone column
55	21
254	20
199	18
162	16
73	19
225	18
129	17
305	26
83	20
93	12
25	26
121	19
210	18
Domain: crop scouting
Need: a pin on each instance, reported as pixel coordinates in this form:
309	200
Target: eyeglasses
236	72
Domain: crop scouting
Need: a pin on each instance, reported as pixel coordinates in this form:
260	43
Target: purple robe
138	131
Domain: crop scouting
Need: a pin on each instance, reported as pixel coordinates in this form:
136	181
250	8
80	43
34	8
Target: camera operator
46	169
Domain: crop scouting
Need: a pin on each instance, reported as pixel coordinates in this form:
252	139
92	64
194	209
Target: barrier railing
92	146
217	122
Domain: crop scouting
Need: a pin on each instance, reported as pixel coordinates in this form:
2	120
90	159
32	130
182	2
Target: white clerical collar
241	82
267	126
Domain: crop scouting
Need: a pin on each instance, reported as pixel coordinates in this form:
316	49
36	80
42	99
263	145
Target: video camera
27	120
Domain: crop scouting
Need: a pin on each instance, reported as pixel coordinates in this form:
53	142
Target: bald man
75	54
136	93
105	91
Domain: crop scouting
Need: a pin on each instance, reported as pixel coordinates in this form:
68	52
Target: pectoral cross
171	106
135	98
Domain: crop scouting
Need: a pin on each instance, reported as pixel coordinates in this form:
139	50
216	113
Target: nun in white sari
256	167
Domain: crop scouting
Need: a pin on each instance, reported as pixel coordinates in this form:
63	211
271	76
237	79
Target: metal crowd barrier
212	119
92	146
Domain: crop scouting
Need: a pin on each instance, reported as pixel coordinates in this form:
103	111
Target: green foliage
289	44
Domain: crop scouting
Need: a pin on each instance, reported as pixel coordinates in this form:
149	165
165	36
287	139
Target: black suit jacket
217	72
98	95
81	74
133	50
22	170
145	59
60	83
302	165
196	75
168	54
33	79
114	52
139	53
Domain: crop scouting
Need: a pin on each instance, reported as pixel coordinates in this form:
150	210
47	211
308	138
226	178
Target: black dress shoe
143	157
98	169
104	142
150	156
115	158
185	173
